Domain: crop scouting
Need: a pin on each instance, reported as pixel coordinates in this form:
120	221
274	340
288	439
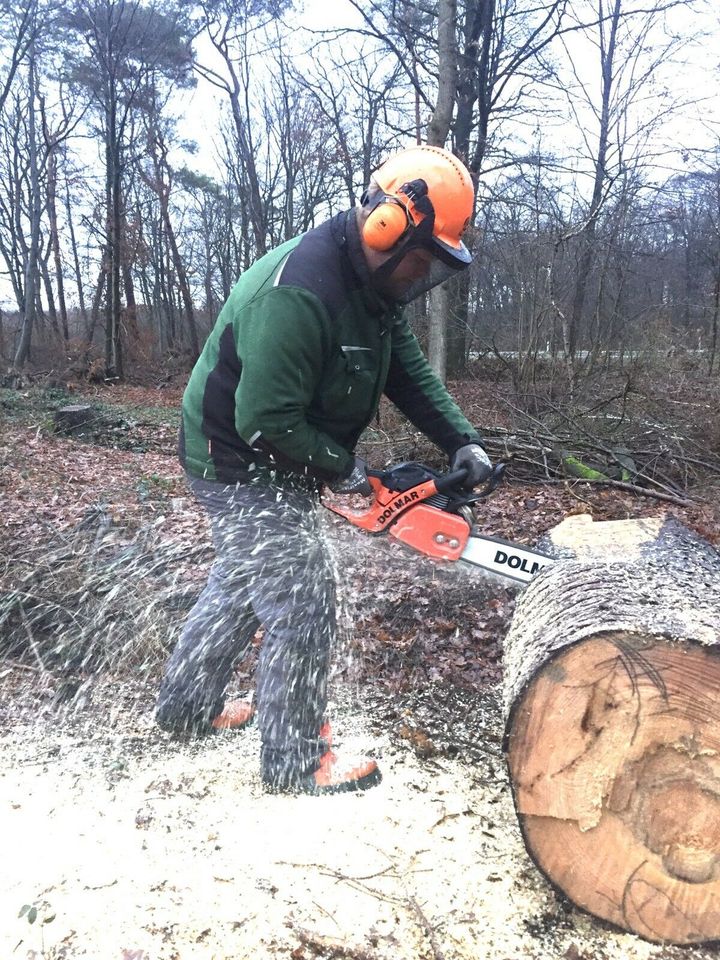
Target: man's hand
472	458
356	482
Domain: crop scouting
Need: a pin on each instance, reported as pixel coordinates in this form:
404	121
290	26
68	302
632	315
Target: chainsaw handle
450	481
494	480
453	480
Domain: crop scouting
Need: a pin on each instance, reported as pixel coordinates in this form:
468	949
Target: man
292	373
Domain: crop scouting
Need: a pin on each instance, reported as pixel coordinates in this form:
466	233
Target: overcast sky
694	83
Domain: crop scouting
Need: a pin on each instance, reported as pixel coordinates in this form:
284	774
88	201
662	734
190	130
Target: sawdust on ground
133	846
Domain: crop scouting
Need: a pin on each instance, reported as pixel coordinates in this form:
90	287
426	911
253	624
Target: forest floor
124	844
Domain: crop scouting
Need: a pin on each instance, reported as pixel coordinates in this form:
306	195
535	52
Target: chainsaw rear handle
391	501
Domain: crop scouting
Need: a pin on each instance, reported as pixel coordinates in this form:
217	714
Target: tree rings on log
612	698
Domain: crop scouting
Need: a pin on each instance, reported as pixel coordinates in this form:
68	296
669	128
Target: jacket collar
346	226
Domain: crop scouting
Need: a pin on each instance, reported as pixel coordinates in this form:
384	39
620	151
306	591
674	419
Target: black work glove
472	458
356	482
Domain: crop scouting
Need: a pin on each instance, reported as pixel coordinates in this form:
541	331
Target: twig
427	929
322	909
328	947
630	488
354	882
340	876
392	440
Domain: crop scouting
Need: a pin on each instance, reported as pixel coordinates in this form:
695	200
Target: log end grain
614	756
580	536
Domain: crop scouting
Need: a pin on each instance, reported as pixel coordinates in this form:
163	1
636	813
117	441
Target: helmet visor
457	257
439	271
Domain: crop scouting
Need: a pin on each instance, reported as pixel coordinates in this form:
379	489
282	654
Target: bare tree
632	46
361	98
130	47
438	131
18	31
160	180
31	285
13	195
55	134
487	69
232	28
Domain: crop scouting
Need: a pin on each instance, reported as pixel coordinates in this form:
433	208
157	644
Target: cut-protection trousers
271	568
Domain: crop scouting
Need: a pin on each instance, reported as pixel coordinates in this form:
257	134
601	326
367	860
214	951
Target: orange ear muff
385	225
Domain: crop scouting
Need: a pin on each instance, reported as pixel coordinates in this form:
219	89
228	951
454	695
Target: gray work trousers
271	568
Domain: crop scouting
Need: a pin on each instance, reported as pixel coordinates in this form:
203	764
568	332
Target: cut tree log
612	705
76	418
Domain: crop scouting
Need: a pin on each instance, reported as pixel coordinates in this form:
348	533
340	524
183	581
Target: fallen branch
328	947
630	488
427	929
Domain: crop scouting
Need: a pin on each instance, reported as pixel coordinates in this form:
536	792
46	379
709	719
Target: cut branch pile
603	444
661	465
99	597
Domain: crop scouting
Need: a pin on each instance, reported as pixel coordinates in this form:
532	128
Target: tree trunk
587	235
97	298
76	259
32	279
113	305
439	306
130	312
613	724
161	185
457	333
438	130
114	278
182	279
55	238
714	321
49	293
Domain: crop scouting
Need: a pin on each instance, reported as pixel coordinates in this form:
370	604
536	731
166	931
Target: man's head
411	219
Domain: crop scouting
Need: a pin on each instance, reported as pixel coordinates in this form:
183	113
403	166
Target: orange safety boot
334	775
235	715
342	776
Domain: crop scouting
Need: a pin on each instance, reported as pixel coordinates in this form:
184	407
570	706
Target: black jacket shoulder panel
319	264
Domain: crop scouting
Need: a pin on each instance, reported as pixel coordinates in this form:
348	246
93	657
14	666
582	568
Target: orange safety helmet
407	181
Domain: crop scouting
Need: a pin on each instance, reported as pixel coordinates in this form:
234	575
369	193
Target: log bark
612	704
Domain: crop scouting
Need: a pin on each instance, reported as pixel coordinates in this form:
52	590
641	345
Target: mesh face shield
446	263
438	273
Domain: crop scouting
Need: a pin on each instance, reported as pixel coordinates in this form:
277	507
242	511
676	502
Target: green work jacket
295	366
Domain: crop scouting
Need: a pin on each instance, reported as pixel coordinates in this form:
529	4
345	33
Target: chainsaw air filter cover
407	475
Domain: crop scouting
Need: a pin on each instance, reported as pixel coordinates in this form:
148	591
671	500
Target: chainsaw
433	513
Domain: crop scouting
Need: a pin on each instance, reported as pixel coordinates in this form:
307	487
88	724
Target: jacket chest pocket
359	361
350	384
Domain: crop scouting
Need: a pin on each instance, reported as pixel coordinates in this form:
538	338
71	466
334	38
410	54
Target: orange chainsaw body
433	532
406	517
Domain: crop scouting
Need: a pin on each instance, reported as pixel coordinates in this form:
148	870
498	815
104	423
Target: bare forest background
123	228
